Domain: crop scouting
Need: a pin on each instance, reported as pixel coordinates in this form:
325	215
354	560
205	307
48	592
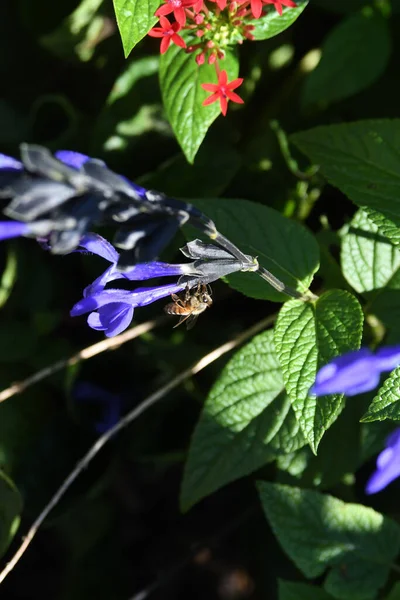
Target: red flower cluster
212	27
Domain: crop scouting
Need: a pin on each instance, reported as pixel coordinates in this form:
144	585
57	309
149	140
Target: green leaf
79	34
289	590
307	336
135	18
394	592
180	79
386	226
320	532
282	246
220	160
386	404
10	509
369	260
361	159
273	23
8	277
131	108
246	421
354	55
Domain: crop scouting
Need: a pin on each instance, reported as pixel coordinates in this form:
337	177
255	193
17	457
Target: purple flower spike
12	229
352	373
387	465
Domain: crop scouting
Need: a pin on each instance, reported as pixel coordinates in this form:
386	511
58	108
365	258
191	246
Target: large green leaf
369	260
354	54
272	23
307	336
386	403
135	18
289	590
10	509
320	532
362	160
180	79
282	246
246	421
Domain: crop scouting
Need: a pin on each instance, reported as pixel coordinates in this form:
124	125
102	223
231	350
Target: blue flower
111	310
387	465
64	195
355	372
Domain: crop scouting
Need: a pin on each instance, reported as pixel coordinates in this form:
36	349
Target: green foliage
272	24
135	18
369	260
282	246
354	55
361	159
394	593
320	532
180	82
249	415
386	405
246	422
307	336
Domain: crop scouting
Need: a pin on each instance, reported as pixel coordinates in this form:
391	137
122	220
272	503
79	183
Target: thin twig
129	418
89	352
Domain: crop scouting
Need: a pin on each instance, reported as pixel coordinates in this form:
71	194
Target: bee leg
187	293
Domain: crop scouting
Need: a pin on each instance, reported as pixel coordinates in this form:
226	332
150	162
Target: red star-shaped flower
177	7
222	91
169	33
257	6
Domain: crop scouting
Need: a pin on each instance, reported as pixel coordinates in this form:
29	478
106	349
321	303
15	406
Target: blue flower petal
8	163
387	465
151	270
96	244
11	229
71	158
387	358
140	297
352	373
112	318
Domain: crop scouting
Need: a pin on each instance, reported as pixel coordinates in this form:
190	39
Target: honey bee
194	302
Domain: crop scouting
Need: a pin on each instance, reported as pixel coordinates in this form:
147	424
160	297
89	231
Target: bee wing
191	321
183	318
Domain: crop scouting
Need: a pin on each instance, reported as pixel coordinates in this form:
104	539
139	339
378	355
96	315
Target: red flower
222	91
168	33
220	3
257	6
279	3
177	7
